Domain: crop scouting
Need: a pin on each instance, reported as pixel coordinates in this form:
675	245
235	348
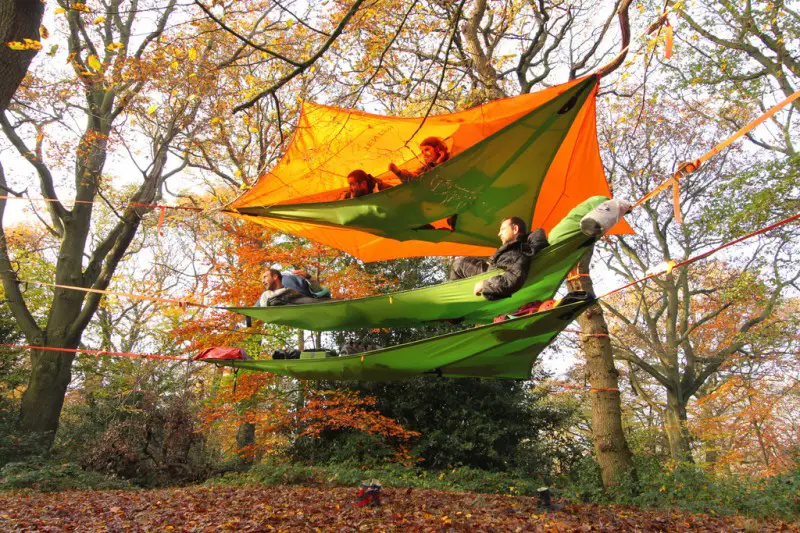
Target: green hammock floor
503	350
451	300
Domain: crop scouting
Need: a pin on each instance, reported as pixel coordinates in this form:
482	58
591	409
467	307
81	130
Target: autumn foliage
270	404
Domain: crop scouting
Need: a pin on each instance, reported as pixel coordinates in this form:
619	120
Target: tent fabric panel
371	142
498	177
479	351
365	246
571	176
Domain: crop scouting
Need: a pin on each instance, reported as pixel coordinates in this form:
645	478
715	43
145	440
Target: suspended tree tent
503	350
535	156
451	300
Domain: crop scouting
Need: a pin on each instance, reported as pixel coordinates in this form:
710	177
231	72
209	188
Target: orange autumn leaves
270	404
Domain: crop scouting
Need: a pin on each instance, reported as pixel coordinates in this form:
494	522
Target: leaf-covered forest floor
330	509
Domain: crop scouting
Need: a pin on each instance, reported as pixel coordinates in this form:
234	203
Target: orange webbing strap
687	168
182	303
668	51
131	204
97	352
746	129
705	254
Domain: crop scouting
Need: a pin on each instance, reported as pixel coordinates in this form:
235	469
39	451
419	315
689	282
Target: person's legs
466	267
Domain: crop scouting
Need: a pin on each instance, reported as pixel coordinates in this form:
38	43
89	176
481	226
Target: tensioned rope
95	352
161	207
687	168
671	265
182	303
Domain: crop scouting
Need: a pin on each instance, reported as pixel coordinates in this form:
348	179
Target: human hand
478	289
300	272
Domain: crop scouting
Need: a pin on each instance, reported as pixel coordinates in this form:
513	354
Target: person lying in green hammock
513	257
434	152
288	288
360	183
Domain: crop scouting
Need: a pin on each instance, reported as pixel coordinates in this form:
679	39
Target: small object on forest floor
545	500
369	494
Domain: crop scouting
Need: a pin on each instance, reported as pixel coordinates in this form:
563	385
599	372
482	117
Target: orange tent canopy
330	142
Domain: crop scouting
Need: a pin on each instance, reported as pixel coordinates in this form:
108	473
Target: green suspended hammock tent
503	350
535	156
451	300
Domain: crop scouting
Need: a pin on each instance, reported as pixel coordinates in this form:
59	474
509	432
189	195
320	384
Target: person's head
360	183
434	150
272	279
510	229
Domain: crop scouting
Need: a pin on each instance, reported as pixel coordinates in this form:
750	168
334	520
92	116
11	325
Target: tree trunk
245	436
44	397
613	454
19	20
677	432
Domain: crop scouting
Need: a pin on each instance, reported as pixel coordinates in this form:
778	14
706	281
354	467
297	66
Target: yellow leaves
152	109
113	47
238	173
253	129
99	20
26	44
289	24
43	32
59	10
174	65
81	7
192	54
250	80
94	63
215	120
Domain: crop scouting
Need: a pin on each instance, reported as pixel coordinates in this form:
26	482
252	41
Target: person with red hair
434	152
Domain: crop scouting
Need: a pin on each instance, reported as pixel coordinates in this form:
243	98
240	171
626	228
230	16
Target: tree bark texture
19	20
612	451
677	432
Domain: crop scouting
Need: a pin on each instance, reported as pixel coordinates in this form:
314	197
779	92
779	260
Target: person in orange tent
434	152
360	183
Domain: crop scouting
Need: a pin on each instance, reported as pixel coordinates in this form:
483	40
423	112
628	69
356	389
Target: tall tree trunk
19	20
44	397
677	432
612	451
245	437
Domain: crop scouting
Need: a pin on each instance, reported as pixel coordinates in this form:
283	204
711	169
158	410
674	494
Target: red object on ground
219	353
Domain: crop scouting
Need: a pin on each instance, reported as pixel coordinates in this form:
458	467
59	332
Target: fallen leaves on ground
330	509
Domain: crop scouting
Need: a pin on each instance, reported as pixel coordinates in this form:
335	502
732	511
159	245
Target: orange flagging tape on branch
182	303
673	265
96	352
687	168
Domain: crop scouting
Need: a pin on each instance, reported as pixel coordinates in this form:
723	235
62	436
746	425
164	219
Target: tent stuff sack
533	156
221	353
503	350
447	301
